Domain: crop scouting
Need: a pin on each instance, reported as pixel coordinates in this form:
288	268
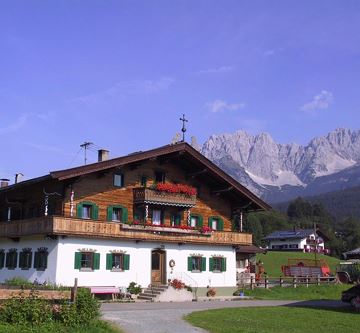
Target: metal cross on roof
183	130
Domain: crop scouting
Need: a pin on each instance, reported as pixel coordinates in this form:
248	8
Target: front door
158	267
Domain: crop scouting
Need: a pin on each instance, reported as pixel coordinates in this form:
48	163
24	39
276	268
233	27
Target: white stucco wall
31	274
140	263
300	242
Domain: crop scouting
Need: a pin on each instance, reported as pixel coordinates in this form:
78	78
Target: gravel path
167	317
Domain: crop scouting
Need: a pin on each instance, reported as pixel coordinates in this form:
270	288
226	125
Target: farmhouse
306	240
147	217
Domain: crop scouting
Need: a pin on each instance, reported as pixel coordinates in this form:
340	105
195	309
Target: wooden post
318	280
307	281
266	282
281	282
252	284
74	291
294	282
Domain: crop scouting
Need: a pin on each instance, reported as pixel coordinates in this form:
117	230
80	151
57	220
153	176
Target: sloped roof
290	234
355	251
182	150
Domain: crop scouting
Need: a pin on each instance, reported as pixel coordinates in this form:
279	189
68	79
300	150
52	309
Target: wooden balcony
100	229
149	196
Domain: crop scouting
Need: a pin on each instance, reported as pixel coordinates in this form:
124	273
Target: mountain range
280	172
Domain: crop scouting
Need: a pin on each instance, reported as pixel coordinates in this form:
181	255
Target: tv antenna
86	146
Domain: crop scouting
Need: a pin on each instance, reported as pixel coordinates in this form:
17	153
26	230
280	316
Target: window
216	223
196	264
196	221
175	219
87	210
87	261
159	177
40	259
143	181
25	259
119	179
117	261
117	213
156	217
217	264
2	258
11	259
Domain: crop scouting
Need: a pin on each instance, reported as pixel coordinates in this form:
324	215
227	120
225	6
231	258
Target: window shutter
96	260
223	266
190	264
7	261
122	181
124	214
177	219
200	221
21	260
210	222
126	262
109	213
77	263
79	210
203	264
29	263
109	261
45	257
2	259
211	264
220	225
95	212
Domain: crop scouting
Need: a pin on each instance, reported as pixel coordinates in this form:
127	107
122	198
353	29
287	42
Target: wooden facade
50	205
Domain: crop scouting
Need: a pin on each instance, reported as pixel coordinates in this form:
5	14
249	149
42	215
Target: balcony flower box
183	229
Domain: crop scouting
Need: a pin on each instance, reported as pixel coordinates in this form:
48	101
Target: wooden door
158	274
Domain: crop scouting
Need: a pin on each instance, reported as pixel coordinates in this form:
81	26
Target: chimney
103	155
4	182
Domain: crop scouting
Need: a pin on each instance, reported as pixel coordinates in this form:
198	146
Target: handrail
188	280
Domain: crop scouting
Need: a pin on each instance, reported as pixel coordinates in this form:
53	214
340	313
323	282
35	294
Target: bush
134	288
18	281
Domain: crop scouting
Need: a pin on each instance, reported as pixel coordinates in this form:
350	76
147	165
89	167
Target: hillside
274	260
340	204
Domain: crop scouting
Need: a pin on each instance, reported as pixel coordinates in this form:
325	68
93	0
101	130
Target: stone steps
150	293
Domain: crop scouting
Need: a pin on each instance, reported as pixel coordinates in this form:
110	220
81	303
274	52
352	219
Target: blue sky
121	73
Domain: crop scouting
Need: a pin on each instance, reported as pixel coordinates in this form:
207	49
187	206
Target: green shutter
210	222
211	264
124	213
109	213
2	259
77	263
177	219
220	225
190	264
126	262
79	210
203	264
200	221
109	261
95	212
7	260
122	180
223	266
96	260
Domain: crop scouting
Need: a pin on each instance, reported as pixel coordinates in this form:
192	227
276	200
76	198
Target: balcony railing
150	196
100	229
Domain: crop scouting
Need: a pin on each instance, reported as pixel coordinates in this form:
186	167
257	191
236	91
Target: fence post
266	282
281	282
307	281
318	280
74	291
294	282
252	283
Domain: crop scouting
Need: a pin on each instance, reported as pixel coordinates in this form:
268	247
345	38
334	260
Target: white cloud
222	69
319	102
19	123
125	88
220	105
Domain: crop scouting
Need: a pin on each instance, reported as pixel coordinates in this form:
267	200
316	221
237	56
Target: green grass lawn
276	320
274	260
299	293
96	327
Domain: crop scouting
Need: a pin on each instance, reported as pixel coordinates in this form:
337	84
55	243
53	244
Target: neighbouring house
147	217
306	240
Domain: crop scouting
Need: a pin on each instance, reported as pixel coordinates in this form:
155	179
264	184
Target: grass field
95	327
276	320
274	260
299	293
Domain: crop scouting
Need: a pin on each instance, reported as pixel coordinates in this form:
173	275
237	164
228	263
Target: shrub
134	288
211	292
18	281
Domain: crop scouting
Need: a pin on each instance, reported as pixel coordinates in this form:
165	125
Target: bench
114	291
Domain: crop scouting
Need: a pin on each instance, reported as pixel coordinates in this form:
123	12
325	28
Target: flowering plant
205	229
177	284
175	188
